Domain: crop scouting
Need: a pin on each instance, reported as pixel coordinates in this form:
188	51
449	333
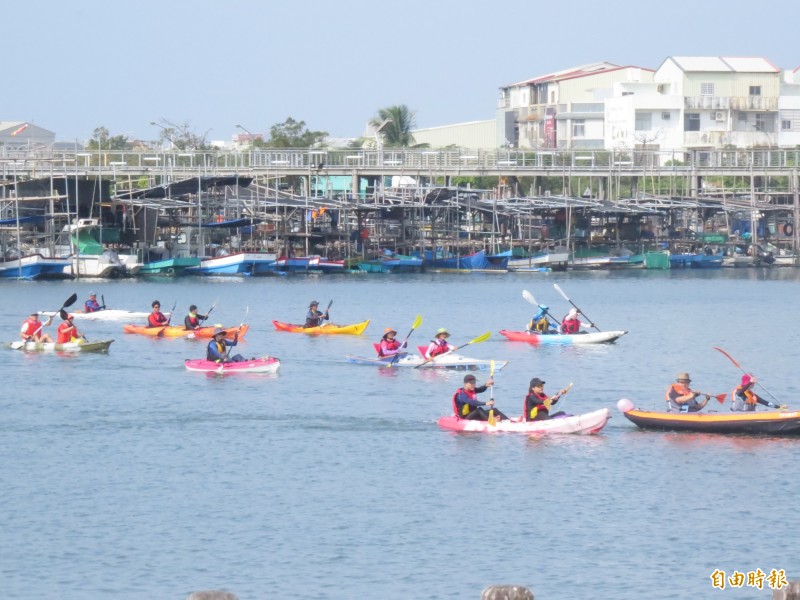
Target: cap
573	312
536	381
683	377
389	330
219	331
748	379
92	294
441	331
313	303
469	378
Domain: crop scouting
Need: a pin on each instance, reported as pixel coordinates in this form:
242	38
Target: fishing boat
263	364
391	262
605	258
35	267
586	423
767	423
239	263
451	361
477	261
298	264
588	337
79	346
326	329
181	331
81	241
544	261
696	261
169	267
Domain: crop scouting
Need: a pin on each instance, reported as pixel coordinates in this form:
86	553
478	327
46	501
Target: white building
475	135
789	110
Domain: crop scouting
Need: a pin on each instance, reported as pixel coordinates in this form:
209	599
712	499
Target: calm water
125	476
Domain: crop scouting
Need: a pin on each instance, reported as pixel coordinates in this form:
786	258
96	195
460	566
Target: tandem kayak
81	346
769	423
450	361
581	424
264	364
327	328
109	314
181	331
593	337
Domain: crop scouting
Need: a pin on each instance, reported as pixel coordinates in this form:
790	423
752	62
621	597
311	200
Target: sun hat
219	331
536	381
441	331
92	294
468	378
683	376
389	330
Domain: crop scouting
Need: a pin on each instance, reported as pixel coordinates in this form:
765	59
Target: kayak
264	364
109	314
81	346
586	423
327	328
593	337
450	361
181	331
771	423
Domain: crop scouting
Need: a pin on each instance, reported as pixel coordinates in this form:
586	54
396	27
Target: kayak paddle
417	322
103	298
491	418
529	297
68	302
480	338
549	402
733	360
210	309
560	291
169	320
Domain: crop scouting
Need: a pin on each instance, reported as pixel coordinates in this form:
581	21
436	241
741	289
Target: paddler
32	329
156	318
571	323
439	344
466	404
680	398
315	317
92	305
67	332
217	349
193	321
389	346
540	323
537	403
745	399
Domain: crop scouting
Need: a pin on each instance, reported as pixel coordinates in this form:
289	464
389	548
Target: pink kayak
265	364
582	424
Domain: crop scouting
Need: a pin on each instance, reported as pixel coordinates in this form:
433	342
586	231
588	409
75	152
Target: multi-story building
789	110
564	109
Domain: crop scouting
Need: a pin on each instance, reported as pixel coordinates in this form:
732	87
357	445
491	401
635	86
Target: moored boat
767	423
477	261
169	267
79	346
326	329
589	337
586	423
239	263
264	364
181	331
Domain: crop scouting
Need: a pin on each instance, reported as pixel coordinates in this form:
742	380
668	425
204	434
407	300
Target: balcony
731	103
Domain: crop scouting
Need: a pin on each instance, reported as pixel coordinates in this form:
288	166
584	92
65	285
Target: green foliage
476	183
181	136
103	140
398	122
293	134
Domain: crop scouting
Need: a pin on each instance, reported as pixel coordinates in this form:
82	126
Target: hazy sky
75	65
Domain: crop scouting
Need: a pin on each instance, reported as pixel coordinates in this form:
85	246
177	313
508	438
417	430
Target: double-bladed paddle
491	419
103	298
549	402
210	309
560	291
480	338
529	297
169	320
69	302
417	323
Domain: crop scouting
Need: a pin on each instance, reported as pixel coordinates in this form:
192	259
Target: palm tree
397	122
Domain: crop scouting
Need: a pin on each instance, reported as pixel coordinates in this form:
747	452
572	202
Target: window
755	90
706	89
691	122
742	117
578	128
665	116
761	122
786	125
552	97
627	93
644	121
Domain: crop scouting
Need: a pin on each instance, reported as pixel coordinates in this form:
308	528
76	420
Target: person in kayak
466	404
537	403
315	317
439	344
571	323
193	320
32	329
67	332
92	305
156	318
745	399
389	346
540	323
680	398
217	349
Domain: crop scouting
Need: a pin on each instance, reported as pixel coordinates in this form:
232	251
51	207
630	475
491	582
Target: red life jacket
387	344
462	409
66	332
156	319
571	326
30	328
192	320
441	346
530	414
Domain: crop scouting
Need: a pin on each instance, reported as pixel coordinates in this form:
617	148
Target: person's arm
213	352
462	397
767	403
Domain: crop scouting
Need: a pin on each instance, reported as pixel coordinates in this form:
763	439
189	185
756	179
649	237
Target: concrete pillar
507	592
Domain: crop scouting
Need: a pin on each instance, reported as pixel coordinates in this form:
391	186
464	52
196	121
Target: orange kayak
180	331
327	328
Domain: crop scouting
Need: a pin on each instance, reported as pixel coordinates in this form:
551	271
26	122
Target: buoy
625	405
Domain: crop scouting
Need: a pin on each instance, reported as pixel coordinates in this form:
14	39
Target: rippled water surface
124	476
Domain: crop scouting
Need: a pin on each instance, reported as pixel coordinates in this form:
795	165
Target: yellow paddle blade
492	420
480	338
548	403
491	368
417	322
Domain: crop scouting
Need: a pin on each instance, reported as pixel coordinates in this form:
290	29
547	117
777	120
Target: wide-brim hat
441	331
219	331
389	330
683	376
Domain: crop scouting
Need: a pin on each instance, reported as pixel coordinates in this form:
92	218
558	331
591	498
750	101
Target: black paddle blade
70	301
63	314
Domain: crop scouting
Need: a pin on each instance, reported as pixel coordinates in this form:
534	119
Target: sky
71	66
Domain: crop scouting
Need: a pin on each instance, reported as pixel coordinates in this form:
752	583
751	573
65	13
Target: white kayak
587	337
581	424
79	346
109	314
444	361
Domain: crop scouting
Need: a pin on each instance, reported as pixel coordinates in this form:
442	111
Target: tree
103	140
293	134
181	136
398	122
